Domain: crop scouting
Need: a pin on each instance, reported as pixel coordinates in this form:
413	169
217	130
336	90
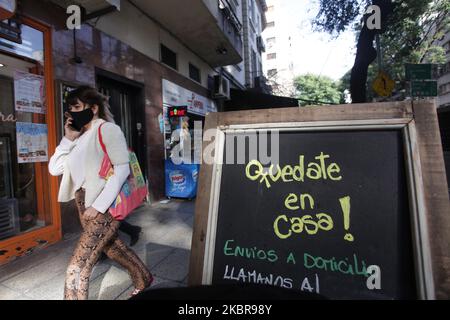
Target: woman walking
78	159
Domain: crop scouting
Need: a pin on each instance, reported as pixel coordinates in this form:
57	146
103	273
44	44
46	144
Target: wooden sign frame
427	184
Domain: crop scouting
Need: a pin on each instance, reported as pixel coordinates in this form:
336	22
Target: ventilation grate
9	218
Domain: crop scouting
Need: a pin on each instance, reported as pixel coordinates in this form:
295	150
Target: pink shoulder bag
133	191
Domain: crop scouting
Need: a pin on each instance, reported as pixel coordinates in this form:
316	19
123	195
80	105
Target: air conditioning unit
221	88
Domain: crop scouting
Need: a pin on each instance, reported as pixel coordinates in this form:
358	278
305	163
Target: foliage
315	89
411	36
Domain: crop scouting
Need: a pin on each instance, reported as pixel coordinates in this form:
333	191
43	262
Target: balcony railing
230	24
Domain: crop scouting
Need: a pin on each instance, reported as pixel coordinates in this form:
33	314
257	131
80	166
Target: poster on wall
29	92
65	89
31	142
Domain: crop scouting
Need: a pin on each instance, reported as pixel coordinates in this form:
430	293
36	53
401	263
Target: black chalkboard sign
355	206
337	205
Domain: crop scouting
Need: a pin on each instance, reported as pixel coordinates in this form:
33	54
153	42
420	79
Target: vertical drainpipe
246	44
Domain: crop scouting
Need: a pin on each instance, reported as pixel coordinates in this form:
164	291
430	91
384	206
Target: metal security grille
9	218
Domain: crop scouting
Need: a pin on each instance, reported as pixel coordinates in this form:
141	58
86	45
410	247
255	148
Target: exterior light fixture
222	50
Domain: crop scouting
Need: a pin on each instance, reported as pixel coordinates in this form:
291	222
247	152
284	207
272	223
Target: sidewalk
164	246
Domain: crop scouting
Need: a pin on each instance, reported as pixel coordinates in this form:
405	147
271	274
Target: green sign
424	88
419	71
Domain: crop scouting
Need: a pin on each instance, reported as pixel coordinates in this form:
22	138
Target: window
270	42
254	64
194	73
271	24
271	56
168	57
252	9
272	73
444	89
234	5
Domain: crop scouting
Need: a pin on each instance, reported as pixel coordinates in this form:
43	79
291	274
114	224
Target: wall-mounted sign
7	9
32	143
29	92
174	95
176	112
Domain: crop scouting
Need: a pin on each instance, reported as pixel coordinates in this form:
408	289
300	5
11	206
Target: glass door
28	208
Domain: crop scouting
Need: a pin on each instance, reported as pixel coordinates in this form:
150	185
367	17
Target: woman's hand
69	133
90	213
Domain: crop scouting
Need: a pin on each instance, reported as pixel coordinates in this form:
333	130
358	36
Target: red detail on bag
133	191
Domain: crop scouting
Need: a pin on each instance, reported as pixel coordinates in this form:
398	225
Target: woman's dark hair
91	97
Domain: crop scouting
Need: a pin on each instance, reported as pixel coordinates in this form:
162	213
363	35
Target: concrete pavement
164	246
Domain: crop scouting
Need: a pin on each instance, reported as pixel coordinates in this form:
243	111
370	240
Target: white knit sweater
116	147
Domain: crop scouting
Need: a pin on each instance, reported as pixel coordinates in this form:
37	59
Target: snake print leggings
100	235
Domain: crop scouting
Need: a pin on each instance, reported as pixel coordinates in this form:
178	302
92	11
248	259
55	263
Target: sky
314	52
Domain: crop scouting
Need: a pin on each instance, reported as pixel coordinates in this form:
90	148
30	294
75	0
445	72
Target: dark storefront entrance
127	106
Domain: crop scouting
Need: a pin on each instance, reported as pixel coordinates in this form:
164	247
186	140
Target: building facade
444	78
282	42
145	55
249	75
443	101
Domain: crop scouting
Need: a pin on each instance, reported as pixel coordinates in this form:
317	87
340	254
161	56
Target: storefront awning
249	100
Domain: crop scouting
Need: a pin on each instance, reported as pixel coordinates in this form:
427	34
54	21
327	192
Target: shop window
24	181
31	42
271	56
194	73
168	57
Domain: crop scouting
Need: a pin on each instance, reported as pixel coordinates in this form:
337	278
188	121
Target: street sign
424	88
418	71
383	84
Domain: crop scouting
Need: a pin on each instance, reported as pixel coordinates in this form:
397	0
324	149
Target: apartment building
249	75
281	42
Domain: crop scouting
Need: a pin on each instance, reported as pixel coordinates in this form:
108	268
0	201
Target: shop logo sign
74	20
7	118
177	178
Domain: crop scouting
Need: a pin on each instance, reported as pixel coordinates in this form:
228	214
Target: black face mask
82	118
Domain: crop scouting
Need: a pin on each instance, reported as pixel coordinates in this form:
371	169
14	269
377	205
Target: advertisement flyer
31	142
29	92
